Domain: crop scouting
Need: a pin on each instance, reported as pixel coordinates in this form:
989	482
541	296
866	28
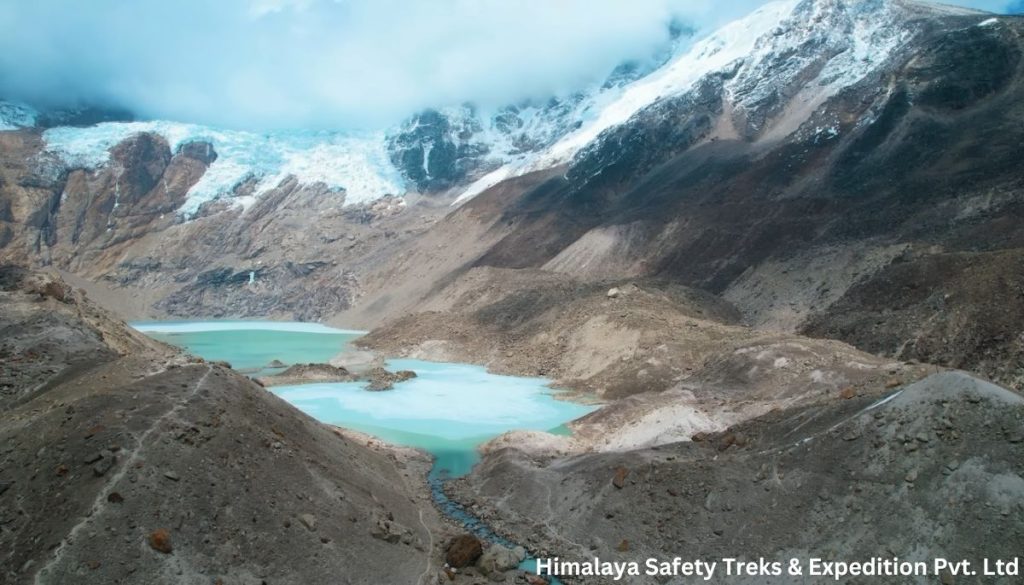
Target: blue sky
329	63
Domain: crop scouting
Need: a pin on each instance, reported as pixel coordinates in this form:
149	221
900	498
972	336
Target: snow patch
989	22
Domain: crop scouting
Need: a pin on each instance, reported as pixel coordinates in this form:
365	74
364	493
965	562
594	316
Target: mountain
810	135
763	249
816	164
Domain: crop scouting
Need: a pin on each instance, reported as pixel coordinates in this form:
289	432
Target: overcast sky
329	63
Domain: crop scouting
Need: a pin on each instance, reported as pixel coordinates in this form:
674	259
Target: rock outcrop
308	374
381	379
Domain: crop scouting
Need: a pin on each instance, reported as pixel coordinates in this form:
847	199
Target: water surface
249	346
448	409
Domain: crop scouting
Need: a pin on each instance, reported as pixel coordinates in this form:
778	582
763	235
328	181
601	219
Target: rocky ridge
123	461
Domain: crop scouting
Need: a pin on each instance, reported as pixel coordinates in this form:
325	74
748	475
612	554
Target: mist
327	64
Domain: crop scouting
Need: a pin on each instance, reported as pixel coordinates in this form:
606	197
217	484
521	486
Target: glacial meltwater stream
448	410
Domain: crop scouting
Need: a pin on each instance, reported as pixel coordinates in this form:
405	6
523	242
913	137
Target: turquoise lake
250	345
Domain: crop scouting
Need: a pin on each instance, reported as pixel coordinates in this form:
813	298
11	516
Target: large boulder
463	551
498	559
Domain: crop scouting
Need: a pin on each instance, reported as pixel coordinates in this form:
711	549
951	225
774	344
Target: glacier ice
15	115
355	162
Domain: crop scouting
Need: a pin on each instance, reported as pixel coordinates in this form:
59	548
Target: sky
330	64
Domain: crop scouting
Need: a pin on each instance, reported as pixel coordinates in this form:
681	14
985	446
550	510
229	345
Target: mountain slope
124	461
932	470
915	165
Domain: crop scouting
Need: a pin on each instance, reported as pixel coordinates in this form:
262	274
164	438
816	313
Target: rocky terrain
617	341
378	379
125	461
906	472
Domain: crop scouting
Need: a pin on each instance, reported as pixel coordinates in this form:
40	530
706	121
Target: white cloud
325	63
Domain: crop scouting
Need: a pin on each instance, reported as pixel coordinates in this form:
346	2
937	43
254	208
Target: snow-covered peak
821	45
714	53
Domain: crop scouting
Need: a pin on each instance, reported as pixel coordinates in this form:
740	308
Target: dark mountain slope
919	160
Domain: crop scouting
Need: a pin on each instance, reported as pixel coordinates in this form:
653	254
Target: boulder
463	550
498	558
160	541
614	293
106	462
309	521
619	479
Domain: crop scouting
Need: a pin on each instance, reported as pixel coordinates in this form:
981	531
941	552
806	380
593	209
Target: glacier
15	115
354	162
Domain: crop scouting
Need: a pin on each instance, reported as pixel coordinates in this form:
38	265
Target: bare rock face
463	551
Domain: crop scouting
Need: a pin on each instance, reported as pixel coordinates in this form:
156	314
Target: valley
760	296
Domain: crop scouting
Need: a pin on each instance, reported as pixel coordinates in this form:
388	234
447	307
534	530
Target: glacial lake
250	345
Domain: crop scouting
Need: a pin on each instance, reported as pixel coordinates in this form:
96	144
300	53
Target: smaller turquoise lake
448	409
250	345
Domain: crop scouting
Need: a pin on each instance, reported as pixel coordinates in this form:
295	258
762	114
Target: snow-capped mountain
810	163
784	59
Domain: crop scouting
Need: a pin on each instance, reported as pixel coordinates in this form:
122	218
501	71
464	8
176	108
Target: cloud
324	63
